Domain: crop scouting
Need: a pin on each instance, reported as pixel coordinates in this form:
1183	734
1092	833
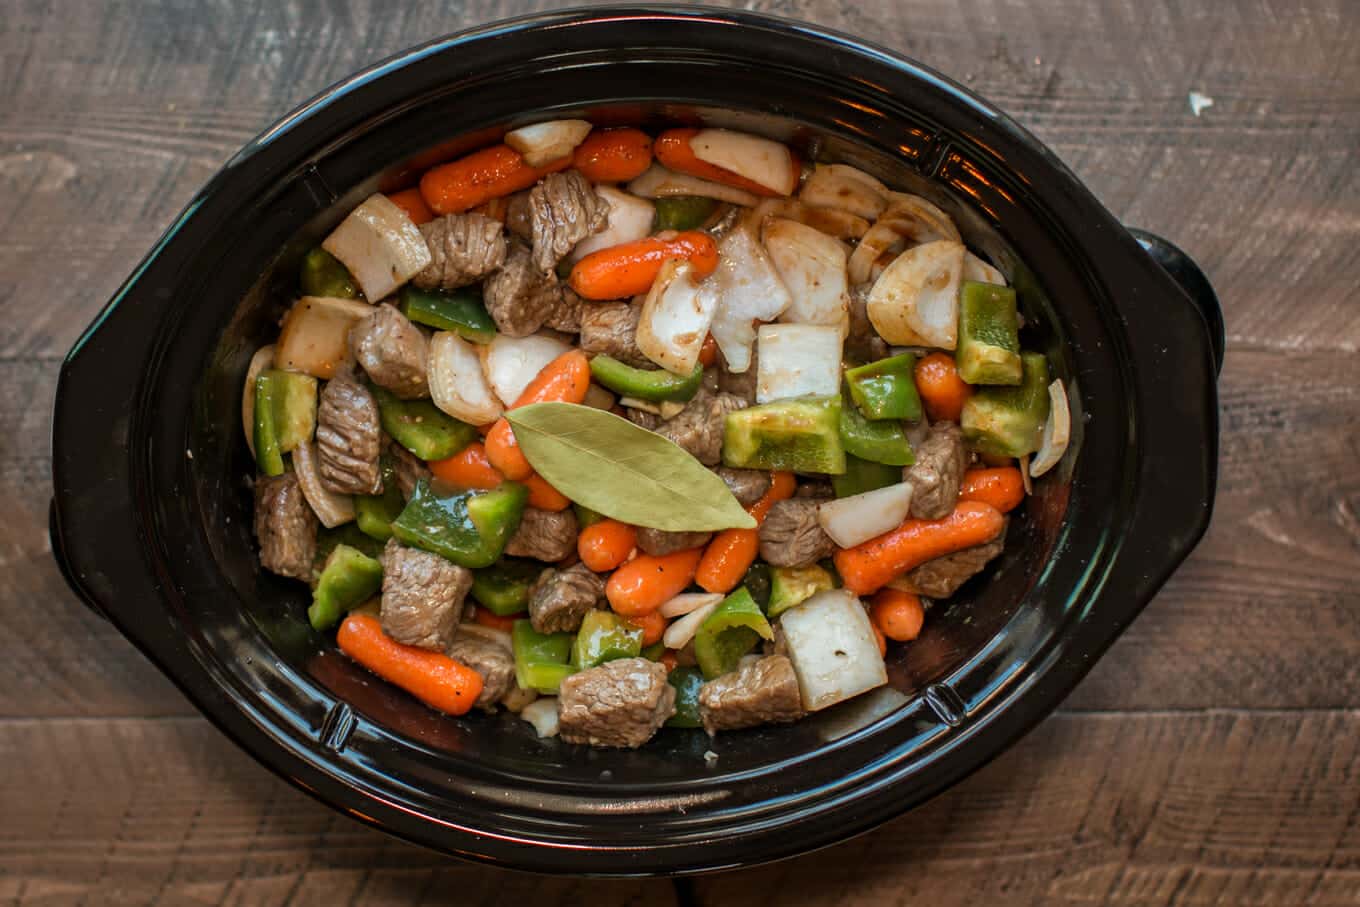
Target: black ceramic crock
151	517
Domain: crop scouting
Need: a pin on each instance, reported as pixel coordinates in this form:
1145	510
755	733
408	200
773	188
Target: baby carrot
413	203
652	625
942	390
606	544
489	618
543	496
867	567
613	155
647	582
672	148
566	379
469	468
733	551
1002	487
432	677
455	187
629	269
897	614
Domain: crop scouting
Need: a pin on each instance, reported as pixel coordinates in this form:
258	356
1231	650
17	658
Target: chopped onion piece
599	398
458	386
974	268
796	360
847	189
314	338
542	714
858	518
646	406
330	508
749	290
833	648
759	160
263	359
679	634
812	266
517	699
915	302
675	318
543	143
630	219
661	182
831	221
1057	431
686	602
908	219
380	245
1026	481
510	363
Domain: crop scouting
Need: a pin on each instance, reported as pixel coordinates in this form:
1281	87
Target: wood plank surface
1210	758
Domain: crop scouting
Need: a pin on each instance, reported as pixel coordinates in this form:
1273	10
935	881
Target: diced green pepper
734	628
886	389
268	455
879	442
285	416
460	311
324	275
604	636
503	588
375	513
654	651
989	339
799	435
470	528
540	658
864	475
687	682
791	586
682	212
348	579
421	427
757	582
327	540
655	384
585	516
1007	421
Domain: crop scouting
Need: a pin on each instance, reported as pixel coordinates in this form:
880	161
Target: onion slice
1057	432
846	189
686	602
543	143
331	509
263	359
457	384
510	363
749	291
797	360
630	218
380	245
542	714
314	338
908	219
858	518
974	268
679	634
915	301
662	182
812	266
759	160
675	318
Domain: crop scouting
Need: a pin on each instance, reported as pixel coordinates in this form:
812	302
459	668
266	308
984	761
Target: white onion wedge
1056	434
542	714
812	267
760	160
661	182
517	699
749	290
831	221
675	318
686	602
510	363
630	219
908	220
858	518
915	302
833	648
846	189
679	634
974	268
263	359
380	245
314	338
458	386
796	360
543	143
330	508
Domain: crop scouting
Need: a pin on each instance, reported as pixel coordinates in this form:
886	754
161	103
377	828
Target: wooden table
1212	757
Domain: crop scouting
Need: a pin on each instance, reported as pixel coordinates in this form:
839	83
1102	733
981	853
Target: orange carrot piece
605	545
647	582
455	187
613	155
897	614
432	677
413	203
942	390
489	618
652	625
469	468
708	353
869	566
733	551
543	496
672	148
566	380
1003	487
629	269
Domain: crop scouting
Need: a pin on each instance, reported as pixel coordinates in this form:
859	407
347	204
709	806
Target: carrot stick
897	614
672	148
1003	488
652	625
613	155
488	618
469	468
413	203
942	390
432	677
647	582
566	379
543	496
481	176
733	551
629	269
868	566
605	545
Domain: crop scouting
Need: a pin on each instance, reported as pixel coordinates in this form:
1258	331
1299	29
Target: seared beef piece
422	596
659	541
937	473
464	248
392	351
409	468
488	653
698	428
760	691
544	535
863	343
640	417
815	489
285	526
610	328
791	536
746	485
349	437
620	703
518	297
519	216
943	576
559	599
563	210
566	315
742	384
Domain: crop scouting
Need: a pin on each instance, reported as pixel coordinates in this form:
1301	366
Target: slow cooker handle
1193	281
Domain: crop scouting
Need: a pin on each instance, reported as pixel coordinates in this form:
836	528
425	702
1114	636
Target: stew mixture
618	431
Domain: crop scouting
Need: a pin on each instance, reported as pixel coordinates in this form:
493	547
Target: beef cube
392	351
942	577
285	526
563	210
760	691
544	535
464	248
791	535
936	475
659	541
422	596
746	485
621	703
519	297
698	428
610	329
559	599
488	652
408	467
348	437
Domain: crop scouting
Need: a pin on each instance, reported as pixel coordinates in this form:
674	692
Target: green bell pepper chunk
682	212
791	586
989	335
886	389
421	427
1007	421
374	513
604	636
470	528
585	516
757	582
348	579
733	629
879	442
687	682
655	384
459	311
285	416
540	658
503	588
654	651
327	540
864	475
324	275
799	435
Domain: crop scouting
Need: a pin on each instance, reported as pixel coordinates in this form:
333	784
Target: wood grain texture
1210	758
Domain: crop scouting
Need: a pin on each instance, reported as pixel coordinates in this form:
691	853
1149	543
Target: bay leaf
606	463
